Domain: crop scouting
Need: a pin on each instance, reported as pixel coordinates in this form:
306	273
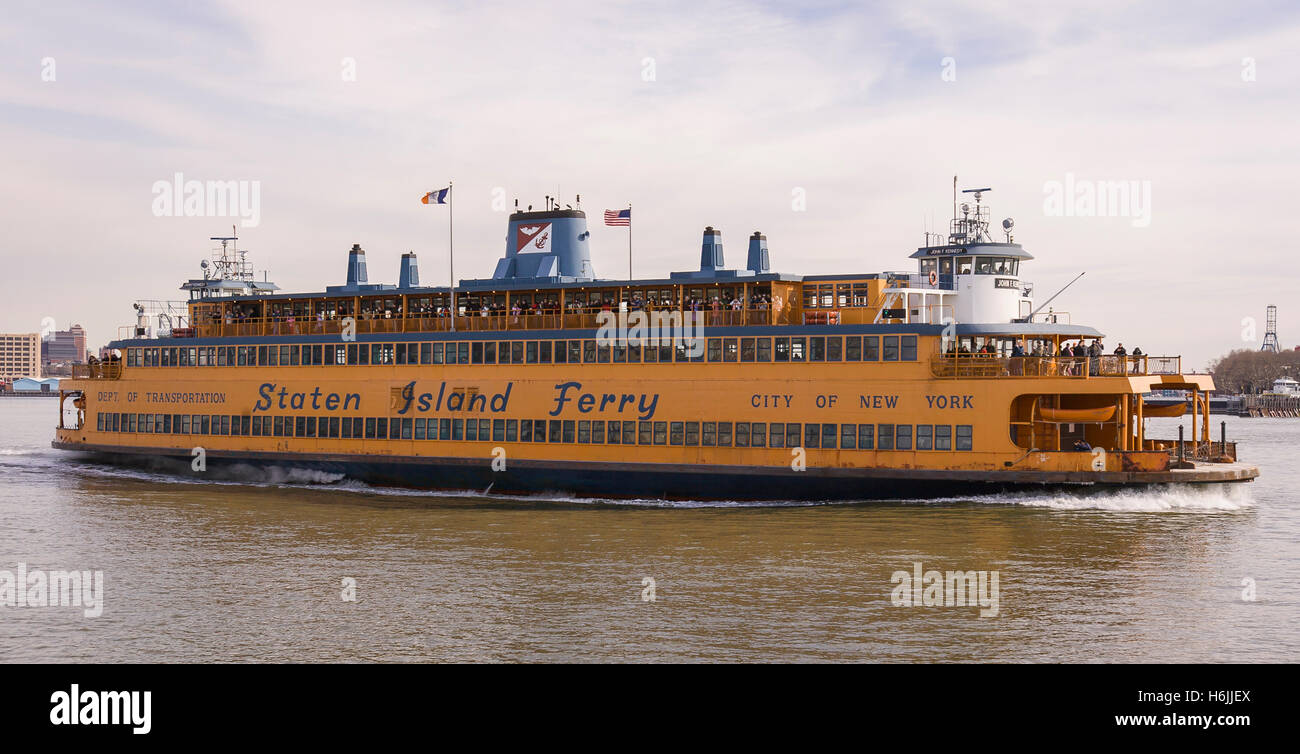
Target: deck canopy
1030	329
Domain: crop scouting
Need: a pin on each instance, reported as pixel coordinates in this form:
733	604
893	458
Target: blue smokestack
356	265
758	261
711	250
408	276
547	244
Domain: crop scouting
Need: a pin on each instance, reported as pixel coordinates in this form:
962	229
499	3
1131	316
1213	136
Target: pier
1280	406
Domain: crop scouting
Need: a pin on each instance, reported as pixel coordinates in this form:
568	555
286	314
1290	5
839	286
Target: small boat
1077	415
1174	409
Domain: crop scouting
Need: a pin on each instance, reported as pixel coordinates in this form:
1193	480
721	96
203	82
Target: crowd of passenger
1070	359
289	319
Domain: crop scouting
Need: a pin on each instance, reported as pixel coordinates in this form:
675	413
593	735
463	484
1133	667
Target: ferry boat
714	383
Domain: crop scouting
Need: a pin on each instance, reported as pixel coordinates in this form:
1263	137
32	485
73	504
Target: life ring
934	277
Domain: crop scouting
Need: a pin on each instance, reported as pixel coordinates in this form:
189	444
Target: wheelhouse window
996	265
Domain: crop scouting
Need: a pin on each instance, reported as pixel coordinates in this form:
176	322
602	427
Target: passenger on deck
1080	353
1082	446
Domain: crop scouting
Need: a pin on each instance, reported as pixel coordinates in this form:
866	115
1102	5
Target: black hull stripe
667	481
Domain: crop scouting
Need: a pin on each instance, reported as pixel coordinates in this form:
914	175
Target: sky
834	128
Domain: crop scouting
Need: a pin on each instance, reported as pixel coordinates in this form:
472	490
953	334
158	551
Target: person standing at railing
1017	359
1094	357
1080	354
1122	353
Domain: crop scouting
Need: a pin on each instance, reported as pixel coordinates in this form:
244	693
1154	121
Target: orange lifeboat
1077	415
1177	409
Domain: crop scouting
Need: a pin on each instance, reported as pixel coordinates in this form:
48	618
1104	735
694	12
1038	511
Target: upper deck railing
99	370
965	365
1051	318
493	322
490	322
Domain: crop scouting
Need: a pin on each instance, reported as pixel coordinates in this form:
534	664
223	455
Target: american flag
618	217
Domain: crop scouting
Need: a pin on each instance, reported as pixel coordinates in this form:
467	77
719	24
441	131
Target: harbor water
283	566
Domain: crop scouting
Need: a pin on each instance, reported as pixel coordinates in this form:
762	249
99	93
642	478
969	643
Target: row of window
707	434
782	349
836	295
981	265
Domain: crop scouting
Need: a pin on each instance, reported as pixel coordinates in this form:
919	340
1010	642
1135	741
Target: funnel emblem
538	235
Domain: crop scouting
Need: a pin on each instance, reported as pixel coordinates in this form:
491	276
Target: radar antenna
230	262
973	225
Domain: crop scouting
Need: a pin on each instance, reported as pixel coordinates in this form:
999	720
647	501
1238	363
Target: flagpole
451	250
629	240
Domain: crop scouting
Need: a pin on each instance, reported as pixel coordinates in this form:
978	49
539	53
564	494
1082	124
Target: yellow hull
847	420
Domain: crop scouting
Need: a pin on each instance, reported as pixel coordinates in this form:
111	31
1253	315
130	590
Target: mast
451	250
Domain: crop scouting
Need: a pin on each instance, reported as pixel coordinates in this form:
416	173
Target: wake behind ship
716	383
